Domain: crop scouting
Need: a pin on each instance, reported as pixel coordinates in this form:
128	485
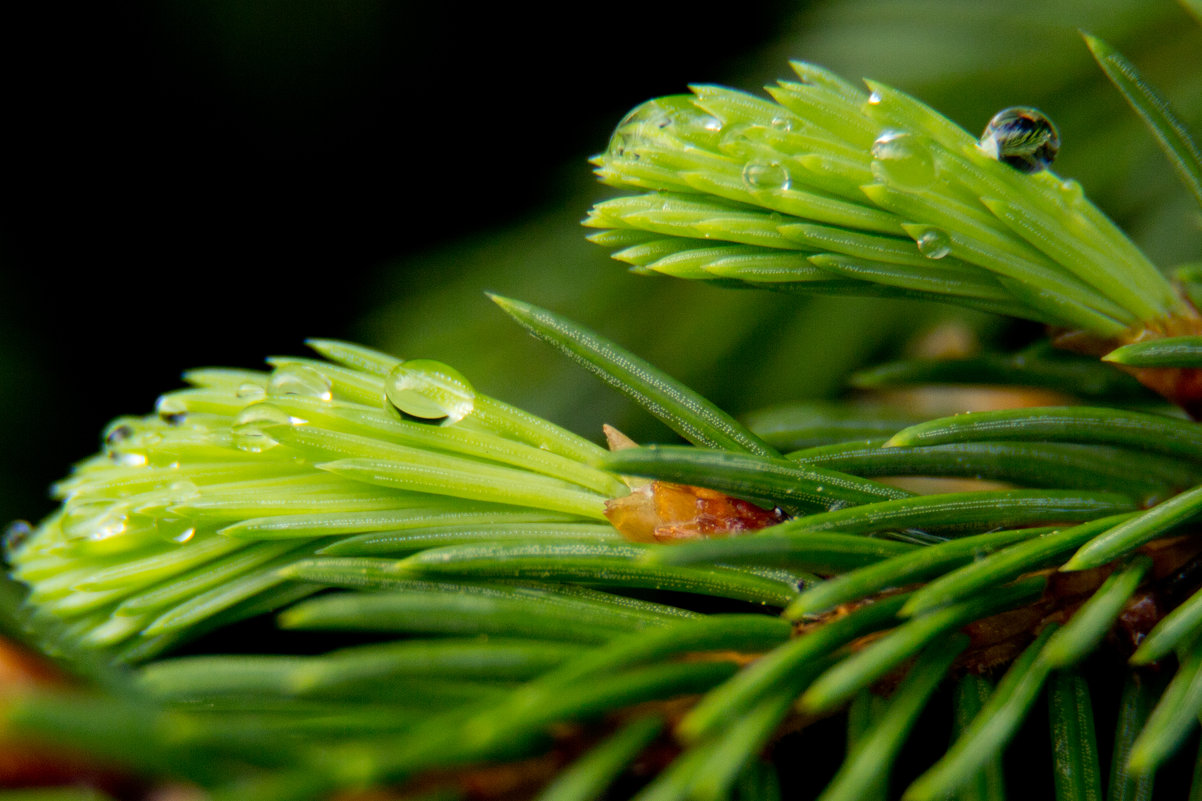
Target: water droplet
784	124
175	529
430	391
117	432
250	392
299	379
99	520
1070	192
652	112
124	441
183	491
736	140
874	99
636	130
899	158
766	175
127	459
16	534
171	410
251	426
934	244
1021	137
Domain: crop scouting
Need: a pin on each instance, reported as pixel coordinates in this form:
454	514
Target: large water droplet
766	175
934	243
252	426
1022	137
299	379
430	391
636	130
652	112
899	158
171	410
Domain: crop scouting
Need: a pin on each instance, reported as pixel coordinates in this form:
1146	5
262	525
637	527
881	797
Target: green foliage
426	581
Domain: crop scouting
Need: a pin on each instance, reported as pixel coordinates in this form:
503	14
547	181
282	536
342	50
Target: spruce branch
480	608
837	189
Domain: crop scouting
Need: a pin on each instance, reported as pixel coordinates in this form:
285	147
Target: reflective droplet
171	410
183	491
1021	137
16	534
766	175
652	112
898	158
117	432
430	391
175	529
737	140
1070	192
633	131
250	392
784	124
299	379
874	99
99	520
252	426
126	459
124	441
934	244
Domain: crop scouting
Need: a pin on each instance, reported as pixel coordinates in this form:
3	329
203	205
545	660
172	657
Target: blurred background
196	184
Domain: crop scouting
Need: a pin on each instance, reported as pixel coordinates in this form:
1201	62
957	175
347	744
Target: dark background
206	183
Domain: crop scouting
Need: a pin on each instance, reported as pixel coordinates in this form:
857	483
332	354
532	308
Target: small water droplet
784	124
126	459
98	520
182	491
430	391
299	379
736	140
899	158
874	99
124	440
1022	137
171	410
250	428
934	244
175	529
1070	192
766	175
16	534
117	432
250	392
